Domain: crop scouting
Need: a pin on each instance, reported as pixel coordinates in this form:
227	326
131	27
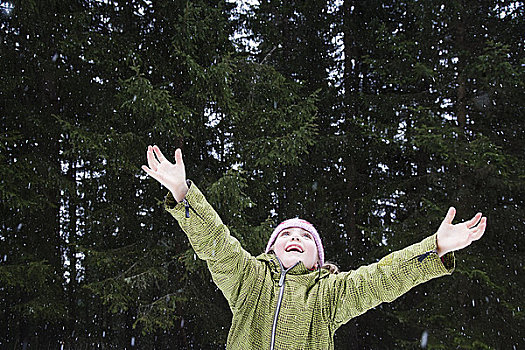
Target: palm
452	237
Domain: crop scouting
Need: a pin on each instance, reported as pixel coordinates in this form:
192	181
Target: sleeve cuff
446	264
170	203
449	261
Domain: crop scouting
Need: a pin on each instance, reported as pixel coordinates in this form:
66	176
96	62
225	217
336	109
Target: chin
292	262
289	262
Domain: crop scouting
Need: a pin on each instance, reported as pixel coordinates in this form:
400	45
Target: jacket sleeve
353	293
232	268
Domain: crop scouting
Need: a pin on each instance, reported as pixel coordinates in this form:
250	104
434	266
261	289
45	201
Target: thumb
450	216
178	157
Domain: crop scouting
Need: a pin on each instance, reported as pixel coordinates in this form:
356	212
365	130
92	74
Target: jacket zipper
278	307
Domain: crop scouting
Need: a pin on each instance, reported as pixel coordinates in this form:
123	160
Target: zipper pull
422	257
187	207
281	280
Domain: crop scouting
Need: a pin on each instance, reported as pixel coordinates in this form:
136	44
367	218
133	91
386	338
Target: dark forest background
368	118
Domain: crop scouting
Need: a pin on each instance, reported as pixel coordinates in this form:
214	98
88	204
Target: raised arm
233	269
353	293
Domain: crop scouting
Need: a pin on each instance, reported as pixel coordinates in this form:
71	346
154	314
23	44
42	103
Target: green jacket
296	308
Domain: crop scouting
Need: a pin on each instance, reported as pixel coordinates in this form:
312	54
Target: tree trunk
351	79
72	297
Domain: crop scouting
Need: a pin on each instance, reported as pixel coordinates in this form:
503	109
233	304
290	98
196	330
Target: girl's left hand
454	237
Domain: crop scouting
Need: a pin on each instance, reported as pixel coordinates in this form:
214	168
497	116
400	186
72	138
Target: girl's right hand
171	176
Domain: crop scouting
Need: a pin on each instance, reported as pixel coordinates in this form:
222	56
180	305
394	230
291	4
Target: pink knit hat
305	225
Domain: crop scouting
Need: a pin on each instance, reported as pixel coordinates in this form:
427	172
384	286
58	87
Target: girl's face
295	244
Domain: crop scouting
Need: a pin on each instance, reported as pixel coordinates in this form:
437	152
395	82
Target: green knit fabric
314	304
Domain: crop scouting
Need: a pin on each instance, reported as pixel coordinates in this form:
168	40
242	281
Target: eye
307	235
285	233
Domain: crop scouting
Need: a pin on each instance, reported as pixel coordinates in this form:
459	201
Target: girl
284	298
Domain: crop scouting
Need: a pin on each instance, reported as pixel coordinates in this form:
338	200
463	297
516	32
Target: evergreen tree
368	119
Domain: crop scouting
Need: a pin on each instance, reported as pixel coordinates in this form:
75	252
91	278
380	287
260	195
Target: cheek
312	248
312	245
278	246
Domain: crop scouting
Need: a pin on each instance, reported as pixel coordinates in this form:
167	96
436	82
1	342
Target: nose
296	237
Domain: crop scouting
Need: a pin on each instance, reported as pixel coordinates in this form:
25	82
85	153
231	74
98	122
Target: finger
178	156
152	162
149	172
480	230
159	154
450	215
474	221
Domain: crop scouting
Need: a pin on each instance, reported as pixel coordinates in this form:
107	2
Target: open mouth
294	248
